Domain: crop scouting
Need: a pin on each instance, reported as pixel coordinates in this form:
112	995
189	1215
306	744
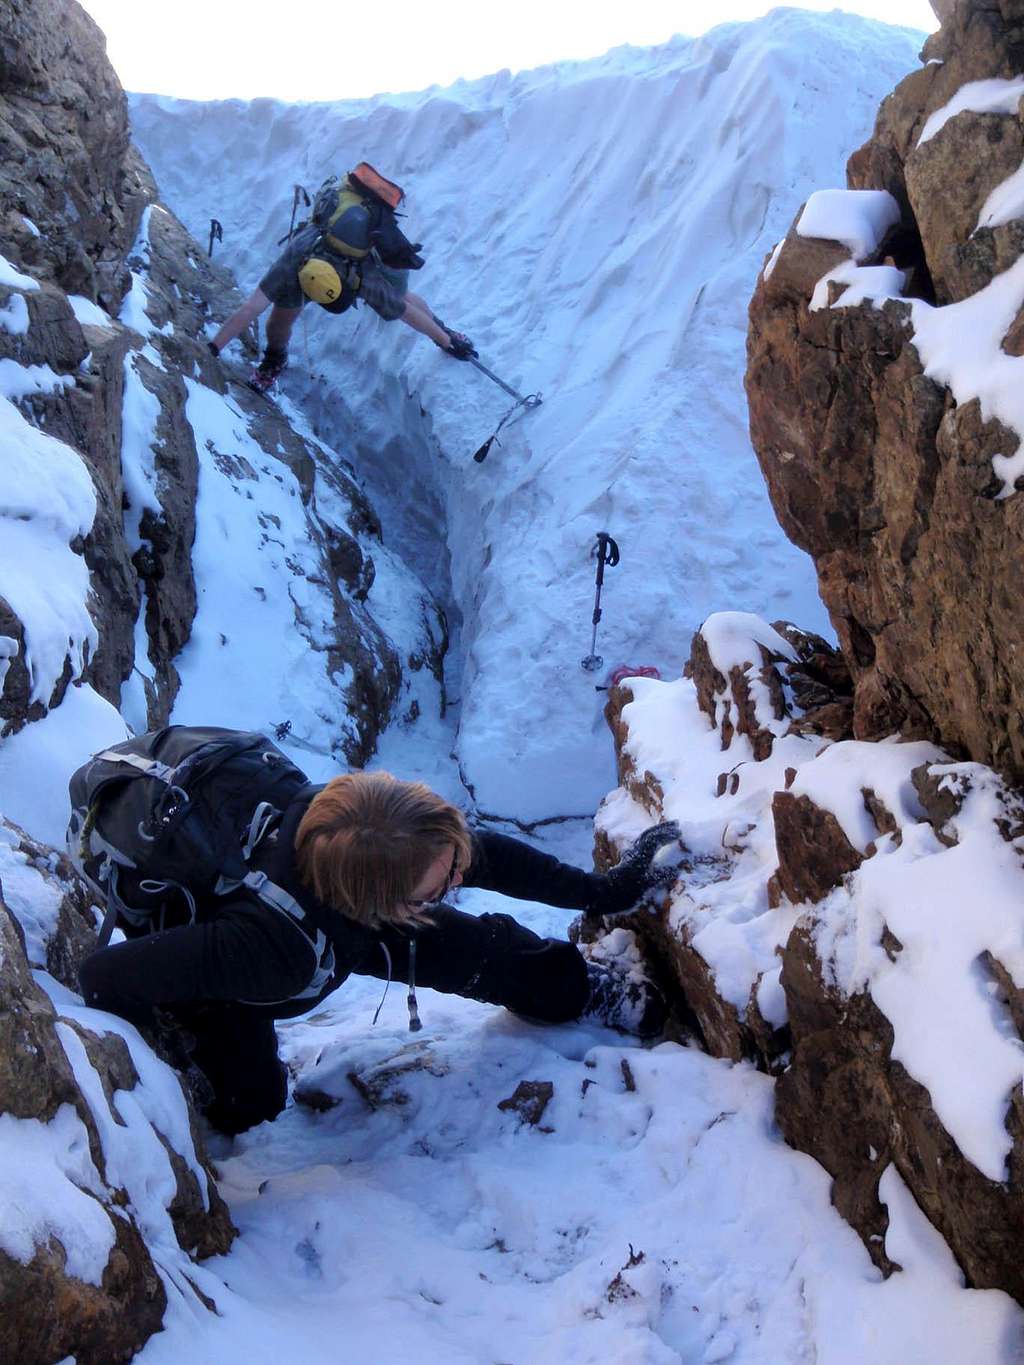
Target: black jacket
241	950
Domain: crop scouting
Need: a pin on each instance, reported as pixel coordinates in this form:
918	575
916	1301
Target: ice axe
524	401
298	193
606	552
216	234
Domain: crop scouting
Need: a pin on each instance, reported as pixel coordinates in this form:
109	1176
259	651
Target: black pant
236	1050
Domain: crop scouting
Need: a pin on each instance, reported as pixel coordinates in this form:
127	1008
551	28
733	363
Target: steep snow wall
597	229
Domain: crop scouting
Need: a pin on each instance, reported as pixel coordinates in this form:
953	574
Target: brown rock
46	1313
64	140
872	468
74	935
985	150
97	1324
729	703
529	1100
848	1104
643	787
814	853
832	721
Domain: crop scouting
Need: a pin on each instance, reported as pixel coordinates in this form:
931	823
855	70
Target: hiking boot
269	370
624	998
639	870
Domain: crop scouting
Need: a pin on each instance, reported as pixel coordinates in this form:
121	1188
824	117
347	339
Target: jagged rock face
81	218
874	468
888	883
848	1102
756	685
59	1082
64	151
803	689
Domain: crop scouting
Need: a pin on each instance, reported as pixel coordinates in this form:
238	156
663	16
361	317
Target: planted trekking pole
524	401
216	234
606	552
297	194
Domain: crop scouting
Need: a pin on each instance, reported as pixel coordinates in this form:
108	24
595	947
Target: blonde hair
367	840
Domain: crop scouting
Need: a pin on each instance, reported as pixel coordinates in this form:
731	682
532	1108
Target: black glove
636	872
461	347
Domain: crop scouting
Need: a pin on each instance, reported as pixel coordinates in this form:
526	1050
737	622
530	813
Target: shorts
281	282
383	288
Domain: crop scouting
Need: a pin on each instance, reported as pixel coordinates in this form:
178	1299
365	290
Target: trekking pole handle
605	551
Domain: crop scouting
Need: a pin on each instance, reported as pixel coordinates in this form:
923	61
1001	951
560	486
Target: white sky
209	49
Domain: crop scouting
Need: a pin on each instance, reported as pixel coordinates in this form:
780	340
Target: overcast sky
208	49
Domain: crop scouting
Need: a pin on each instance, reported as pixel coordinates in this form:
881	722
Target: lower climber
365	862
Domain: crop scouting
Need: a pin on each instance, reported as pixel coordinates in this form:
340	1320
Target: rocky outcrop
750	680
814	853
846	915
75	1239
891	481
850	1105
762	682
71	190
847	1101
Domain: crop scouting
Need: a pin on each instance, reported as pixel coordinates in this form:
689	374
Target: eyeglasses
445	888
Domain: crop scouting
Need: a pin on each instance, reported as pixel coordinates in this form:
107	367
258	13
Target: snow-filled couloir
596	228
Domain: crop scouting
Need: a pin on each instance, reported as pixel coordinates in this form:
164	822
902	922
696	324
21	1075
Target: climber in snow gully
352	249
247	894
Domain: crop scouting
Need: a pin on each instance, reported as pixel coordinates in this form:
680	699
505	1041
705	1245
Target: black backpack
184	808
356	216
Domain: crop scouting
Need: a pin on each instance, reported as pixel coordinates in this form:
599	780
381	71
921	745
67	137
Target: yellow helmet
322	282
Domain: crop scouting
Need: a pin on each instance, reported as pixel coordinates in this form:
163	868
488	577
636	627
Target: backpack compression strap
278	899
152	767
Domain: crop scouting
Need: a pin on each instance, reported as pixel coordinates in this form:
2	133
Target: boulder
845	1101
874	467
86	1259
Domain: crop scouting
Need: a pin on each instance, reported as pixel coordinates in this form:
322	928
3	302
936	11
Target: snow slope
653	1217
597	228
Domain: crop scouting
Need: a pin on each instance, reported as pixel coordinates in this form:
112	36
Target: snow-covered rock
169	540
885	380
849	915
108	1199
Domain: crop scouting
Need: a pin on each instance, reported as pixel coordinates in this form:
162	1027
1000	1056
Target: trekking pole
606	552
216	234
297	194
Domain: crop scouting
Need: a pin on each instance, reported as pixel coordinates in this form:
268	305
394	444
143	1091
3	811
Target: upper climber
351	249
